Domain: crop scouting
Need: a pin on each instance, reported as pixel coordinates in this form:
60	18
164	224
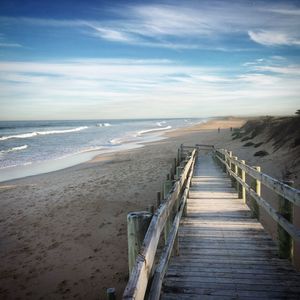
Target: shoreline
48	166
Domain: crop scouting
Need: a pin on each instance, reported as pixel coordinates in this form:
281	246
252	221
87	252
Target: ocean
32	147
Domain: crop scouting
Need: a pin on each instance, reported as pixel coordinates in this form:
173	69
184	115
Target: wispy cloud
4	43
286	70
10	45
273	38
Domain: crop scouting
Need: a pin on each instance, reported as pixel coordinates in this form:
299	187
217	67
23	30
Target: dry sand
63	234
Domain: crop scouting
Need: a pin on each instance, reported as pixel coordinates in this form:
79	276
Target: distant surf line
37	133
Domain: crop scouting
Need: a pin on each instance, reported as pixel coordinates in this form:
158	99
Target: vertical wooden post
151	209
181	152
167	186
178	172
174	165
235	170
230	166
178	156
111	294
221	155
176	246
167	227
229	163
224	158
184	213
166	190
137	226
284	239
242	190
176	242
256	186
158	199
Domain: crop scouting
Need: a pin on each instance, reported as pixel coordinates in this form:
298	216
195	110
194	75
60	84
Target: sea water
32	147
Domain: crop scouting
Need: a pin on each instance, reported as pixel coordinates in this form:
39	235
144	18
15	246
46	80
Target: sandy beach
63	234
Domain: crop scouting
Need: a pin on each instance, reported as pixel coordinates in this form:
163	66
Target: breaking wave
103	124
154	129
36	133
14	149
161	123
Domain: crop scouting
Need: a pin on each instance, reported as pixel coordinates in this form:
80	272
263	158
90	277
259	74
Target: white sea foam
115	141
161	123
36	133
14	149
103	124
153	130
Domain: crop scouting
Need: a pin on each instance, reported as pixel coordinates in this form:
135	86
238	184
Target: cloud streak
273	38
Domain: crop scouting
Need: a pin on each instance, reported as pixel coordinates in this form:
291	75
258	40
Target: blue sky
139	59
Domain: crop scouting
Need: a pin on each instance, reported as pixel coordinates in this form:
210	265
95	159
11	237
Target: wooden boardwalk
224	252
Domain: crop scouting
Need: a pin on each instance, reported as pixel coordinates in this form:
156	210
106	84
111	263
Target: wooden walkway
224	253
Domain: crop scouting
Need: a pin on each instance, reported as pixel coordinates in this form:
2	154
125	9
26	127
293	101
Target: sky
90	59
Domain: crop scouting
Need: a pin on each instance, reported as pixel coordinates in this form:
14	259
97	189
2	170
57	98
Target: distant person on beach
218	129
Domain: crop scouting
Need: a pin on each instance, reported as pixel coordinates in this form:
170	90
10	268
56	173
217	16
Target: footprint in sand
54	245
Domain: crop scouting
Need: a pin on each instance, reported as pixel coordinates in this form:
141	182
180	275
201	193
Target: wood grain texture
224	252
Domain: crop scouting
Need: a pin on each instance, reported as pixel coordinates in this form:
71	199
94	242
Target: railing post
151	209
174	165
256	186
235	170
176	242
167	227
137	226
111	294
178	157
167	186
178	172
158	199
229	162
242	190
223	156
284	239
181	152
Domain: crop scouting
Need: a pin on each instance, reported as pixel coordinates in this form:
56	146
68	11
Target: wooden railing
288	196
166	218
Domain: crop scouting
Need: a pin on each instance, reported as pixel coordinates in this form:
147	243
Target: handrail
280	188
140	275
164	259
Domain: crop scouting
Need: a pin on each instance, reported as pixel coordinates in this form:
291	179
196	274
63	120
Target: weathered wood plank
227	272
231	286
208	294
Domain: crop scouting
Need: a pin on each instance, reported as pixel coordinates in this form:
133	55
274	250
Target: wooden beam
285	242
256	186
